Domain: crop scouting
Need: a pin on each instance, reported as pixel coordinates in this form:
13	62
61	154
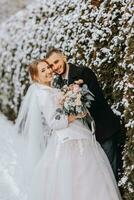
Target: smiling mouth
49	75
60	69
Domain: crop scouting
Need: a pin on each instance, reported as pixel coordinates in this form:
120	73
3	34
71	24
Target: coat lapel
72	74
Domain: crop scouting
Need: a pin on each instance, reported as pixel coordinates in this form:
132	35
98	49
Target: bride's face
44	73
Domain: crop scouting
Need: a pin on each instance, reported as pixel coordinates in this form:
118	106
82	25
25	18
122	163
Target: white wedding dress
72	165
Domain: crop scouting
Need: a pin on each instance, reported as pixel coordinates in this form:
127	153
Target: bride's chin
49	81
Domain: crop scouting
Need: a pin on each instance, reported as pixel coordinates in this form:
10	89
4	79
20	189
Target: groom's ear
64	57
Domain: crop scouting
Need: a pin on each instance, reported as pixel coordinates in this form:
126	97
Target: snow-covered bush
100	37
127	30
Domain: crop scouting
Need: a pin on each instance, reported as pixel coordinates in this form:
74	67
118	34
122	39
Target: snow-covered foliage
8	7
101	38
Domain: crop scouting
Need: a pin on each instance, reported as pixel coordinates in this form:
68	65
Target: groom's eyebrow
56	61
43	69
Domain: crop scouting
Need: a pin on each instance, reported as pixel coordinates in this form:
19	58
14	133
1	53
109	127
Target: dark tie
58	81
64	81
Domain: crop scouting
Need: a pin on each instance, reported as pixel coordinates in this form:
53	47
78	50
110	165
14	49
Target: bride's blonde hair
33	69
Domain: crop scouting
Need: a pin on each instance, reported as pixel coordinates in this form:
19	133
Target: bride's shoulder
43	91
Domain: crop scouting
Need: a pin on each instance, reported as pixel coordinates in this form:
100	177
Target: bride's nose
50	71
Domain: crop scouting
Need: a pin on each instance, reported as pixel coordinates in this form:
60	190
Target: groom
107	124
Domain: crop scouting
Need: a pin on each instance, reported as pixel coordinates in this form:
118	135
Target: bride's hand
71	118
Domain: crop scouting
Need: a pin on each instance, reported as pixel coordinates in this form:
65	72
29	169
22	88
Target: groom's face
57	63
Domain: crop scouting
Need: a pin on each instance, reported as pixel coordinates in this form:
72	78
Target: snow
10	162
91	36
130	124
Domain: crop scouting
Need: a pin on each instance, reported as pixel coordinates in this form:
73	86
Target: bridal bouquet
74	99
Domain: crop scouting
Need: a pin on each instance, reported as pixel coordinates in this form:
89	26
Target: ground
10	162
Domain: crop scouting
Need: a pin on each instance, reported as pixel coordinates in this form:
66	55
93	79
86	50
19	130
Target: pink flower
76	88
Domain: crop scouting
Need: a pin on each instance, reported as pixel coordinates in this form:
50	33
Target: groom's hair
53	50
33	70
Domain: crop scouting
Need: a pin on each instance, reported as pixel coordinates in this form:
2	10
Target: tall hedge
97	34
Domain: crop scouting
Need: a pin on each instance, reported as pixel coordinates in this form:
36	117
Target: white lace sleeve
48	107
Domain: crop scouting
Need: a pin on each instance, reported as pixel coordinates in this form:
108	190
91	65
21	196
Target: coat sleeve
48	106
91	80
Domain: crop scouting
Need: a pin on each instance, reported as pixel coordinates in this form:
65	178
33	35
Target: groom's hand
80	116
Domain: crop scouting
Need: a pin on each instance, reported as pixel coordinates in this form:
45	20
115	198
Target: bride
65	161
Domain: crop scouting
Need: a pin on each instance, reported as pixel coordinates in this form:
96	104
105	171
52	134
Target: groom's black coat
107	123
